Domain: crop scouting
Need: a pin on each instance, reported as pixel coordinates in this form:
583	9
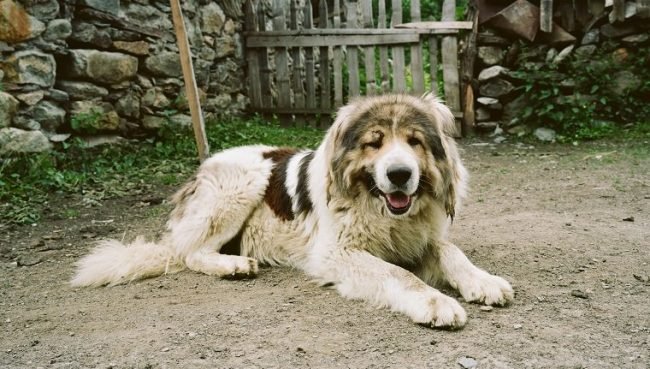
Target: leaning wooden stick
191	90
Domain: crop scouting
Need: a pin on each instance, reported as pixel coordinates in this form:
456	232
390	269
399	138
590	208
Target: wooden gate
305	67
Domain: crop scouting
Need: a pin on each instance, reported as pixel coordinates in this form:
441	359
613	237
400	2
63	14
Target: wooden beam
191	89
546	15
357	31
324	41
436	25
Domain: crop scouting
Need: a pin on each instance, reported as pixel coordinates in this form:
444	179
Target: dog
367	212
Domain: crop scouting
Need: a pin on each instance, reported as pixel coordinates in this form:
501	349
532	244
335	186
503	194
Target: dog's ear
334	149
443	114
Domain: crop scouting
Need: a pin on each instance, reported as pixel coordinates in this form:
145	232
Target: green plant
579	98
88	121
99	173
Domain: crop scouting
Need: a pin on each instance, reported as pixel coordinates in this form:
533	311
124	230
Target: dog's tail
113	262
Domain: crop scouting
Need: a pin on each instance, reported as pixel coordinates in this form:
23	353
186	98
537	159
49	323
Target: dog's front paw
487	289
442	311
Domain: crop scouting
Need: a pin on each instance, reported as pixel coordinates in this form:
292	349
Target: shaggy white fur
367	212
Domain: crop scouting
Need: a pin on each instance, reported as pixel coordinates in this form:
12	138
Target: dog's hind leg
212	208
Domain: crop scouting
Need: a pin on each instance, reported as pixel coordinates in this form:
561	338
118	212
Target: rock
81	90
102	67
545	134
635	40
491	55
164	64
16	25
219	103
624	81
8	107
108	6
467	362
585	52
487	101
513	110
89	34
492	72
100	140
153	121
49	115
517	326
31	98
212	18
29	259
60	137
155	98
499	139
140	48
93	116
58	29
128	105
591	37
496	87
562	55
482	114
14	140
558	36
580	294
44	10
58	95
617	31
27	124
181	120
486	308
27	67
486	127
148	15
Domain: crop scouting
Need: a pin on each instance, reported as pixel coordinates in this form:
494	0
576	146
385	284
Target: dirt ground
568	226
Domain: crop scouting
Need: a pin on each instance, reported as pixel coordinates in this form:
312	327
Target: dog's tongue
398	200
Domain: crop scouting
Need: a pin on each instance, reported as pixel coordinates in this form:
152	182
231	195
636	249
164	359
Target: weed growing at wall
589	97
109	171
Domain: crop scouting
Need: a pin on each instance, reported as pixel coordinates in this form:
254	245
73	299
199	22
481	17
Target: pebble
517	326
467	362
628	219
641	278
29	260
580	294
486	308
165	349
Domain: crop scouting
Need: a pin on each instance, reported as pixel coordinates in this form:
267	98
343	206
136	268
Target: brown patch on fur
276	196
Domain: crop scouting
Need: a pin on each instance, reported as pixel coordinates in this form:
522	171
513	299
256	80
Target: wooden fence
304	67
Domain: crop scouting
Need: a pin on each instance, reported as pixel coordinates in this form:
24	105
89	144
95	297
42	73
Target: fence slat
383	50
352	51
337	59
546	15
369	51
449	48
298	91
417	68
643	8
596	7
618	11
252	58
433	64
265	70
310	79
399	81
281	59
324	63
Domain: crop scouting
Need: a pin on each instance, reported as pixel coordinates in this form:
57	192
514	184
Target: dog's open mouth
398	202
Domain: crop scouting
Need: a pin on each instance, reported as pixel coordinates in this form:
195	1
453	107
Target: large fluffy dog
366	212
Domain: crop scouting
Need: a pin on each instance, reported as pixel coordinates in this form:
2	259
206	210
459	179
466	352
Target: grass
26	182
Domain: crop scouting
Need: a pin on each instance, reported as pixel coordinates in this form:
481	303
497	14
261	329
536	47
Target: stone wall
111	67
509	45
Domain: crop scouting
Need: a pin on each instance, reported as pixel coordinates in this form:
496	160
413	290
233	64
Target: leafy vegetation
109	171
580	97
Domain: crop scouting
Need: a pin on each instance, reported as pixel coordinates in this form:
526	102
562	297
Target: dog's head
394	149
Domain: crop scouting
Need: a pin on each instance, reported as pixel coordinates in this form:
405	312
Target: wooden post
191	90
546	15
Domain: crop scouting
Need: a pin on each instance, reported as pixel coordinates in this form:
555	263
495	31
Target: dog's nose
399	175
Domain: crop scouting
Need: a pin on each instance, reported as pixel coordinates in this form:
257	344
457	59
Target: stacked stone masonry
91	67
500	100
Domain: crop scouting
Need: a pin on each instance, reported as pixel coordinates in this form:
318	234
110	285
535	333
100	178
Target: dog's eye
413	141
374	145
